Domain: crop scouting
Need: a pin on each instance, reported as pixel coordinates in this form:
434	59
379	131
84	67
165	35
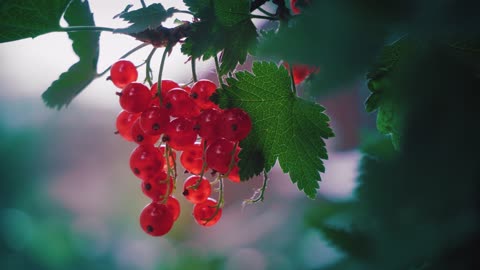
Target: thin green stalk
265	12
184	11
253	16
259	194
194	71
160	72
84	28
143	3
123	56
217	67
148	76
294	87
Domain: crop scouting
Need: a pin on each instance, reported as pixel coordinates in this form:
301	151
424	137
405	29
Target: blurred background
68	199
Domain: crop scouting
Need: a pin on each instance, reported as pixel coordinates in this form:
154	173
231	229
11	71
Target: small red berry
235	124
122	73
219	155
207	213
172	157
201	93
154	120
179	104
208	124
139	136
167	85
135	98
124	124
233	175
156	188
174	206
146	161
180	134
196	190
156	219
192	158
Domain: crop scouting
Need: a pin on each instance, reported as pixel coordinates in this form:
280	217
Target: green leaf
85	45
201	8
285	127
29	18
150	17
231	12
241	40
352	242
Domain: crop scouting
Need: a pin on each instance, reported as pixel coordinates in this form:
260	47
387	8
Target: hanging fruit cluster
171	119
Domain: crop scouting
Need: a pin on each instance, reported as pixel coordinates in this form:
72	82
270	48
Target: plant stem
84	28
123	56
256	4
259	194
265	12
194	72
143	3
263	17
148	76
160	72
294	87
217	67
184	11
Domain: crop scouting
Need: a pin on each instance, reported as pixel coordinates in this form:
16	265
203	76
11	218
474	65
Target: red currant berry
235	125
207	124
174	206
139	136
179	104
294	8
156	219
233	174
122	73
201	93
135	98
146	161
192	158
167	85
180	134
187	88
196	190
301	72
207	213
219	155
156	188
154	120
124	124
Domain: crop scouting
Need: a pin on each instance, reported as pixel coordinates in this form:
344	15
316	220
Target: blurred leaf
353	242
29	18
285	127
82	73
241	40
150	17
232	12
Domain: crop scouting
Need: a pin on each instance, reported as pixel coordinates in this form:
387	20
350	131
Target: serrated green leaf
85	45
201	8
29	18
150	17
231	12
285	127
241	41
372	102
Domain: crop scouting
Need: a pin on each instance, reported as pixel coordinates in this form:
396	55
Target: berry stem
160	72
263	17
143	3
194	70
149	74
232	160
124	56
85	28
265	12
184	11
259	194
294	87
204	166
217	67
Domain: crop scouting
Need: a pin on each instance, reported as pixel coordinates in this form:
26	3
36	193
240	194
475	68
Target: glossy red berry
207	124
167	85
192	158
156	188
124	123
207	213
233	175
219	154
122	73
135	98
180	134
187	88
201	93
156	219
294	8
139	136
154	120
146	161
196	190
174	206
235	124
301	72
179	104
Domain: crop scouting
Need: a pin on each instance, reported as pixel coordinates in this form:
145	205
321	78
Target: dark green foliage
82	73
285	127
150	17
29	18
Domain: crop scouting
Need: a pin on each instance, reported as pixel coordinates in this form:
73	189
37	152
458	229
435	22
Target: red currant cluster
178	119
